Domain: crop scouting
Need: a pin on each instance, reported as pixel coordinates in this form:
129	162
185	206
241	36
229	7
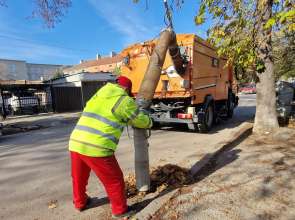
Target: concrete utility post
144	99
167	40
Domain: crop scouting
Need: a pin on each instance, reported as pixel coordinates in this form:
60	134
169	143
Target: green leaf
270	23
260	66
284	16
199	19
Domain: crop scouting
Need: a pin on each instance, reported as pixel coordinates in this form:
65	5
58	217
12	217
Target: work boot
86	206
125	215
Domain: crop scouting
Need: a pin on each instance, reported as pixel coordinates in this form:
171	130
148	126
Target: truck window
165	85
215	62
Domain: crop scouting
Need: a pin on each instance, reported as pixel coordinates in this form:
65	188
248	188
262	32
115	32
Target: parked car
24	103
285	99
248	89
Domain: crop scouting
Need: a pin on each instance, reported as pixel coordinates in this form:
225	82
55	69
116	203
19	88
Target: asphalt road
35	167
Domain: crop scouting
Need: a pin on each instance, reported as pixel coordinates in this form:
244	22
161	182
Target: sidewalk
253	180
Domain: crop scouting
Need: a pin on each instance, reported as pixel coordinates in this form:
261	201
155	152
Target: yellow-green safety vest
100	126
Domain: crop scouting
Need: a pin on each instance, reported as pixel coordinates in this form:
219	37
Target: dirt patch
291	123
259	184
165	177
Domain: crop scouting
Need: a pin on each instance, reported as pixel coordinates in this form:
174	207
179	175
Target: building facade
21	70
111	64
71	92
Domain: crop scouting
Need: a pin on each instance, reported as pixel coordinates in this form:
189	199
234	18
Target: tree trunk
266	115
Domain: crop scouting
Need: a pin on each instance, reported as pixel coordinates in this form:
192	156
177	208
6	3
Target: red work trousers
107	170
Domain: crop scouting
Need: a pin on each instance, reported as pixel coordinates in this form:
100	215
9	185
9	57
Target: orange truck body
206	74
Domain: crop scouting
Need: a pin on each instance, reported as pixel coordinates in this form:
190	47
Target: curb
153	207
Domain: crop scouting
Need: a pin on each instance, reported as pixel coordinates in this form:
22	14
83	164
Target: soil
165	177
254	180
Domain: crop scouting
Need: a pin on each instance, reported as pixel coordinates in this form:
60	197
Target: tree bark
266	115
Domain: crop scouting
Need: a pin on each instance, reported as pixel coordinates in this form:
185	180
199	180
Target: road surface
35	166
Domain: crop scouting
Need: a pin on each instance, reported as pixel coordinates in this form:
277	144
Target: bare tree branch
51	11
3	3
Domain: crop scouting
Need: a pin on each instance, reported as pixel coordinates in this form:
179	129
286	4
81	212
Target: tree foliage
50	11
284	56
236	31
58	74
117	71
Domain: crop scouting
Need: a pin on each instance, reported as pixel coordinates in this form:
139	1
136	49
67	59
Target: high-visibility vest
100	126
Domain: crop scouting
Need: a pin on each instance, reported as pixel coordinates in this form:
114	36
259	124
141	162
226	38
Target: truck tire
230	105
206	125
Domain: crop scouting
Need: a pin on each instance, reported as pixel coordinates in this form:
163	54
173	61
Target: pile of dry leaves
164	177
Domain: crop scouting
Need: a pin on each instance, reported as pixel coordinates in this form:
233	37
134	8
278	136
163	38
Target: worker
94	140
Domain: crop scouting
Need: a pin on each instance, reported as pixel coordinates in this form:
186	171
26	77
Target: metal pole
82	96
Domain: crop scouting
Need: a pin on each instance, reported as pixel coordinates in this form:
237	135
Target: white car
22	104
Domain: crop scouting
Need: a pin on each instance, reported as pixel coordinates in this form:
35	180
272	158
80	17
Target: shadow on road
96	202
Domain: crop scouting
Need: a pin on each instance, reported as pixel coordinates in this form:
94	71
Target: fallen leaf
52	204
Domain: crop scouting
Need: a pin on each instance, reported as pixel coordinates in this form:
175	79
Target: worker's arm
128	112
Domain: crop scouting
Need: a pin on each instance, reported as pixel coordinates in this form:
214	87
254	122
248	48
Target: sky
90	27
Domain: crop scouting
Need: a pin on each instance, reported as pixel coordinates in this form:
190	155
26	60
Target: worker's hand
143	104
145	111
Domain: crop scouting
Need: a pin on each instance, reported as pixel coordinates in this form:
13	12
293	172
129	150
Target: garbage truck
196	86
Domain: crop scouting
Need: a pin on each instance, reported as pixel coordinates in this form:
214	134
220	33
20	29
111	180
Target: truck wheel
207	123
230	105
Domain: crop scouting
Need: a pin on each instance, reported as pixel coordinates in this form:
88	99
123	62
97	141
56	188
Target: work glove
143	104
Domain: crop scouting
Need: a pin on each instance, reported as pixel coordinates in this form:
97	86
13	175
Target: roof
83	77
20	82
24	61
98	62
16	84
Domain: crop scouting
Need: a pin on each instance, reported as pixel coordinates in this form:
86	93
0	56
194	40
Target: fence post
3	105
